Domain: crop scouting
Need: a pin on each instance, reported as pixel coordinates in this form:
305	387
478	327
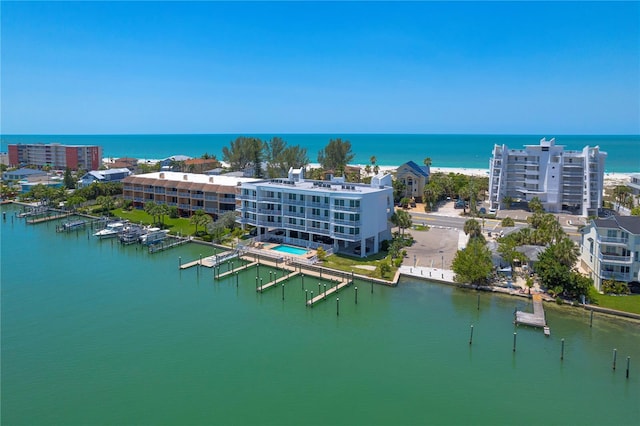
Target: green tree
535	205
401	219
472	229
507	222
200	218
244	152
336	155
427	161
635	211
398	190
473	264
374	164
107	203
68	180
507	201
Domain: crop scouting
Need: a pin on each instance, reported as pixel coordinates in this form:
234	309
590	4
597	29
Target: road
457	222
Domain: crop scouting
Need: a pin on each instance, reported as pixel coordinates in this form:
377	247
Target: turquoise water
290	250
471	151
97	333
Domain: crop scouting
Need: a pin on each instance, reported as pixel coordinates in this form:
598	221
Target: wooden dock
210	261
239	268
330	291
276	282
47	218
535	319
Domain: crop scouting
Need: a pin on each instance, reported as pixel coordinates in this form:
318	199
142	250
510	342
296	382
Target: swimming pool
290	250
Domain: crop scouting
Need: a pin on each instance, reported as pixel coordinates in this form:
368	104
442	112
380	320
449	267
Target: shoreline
610	178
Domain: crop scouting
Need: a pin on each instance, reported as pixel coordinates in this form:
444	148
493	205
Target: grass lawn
176	226
620	303
348	263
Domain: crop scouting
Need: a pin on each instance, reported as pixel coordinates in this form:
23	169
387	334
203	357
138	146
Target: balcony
615	258
347	222
617	276
269	199
293	214
613	240
346	208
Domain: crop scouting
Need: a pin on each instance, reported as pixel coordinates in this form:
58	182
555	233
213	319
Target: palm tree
200	218
472	228
427	161
374	160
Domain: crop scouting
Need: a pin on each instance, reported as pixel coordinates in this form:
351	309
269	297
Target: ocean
98	333
447	150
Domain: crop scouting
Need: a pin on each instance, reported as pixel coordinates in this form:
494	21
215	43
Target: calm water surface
96	333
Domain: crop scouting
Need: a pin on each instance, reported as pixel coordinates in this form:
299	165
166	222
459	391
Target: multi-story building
188	192
346	215
87	157
414	178
563	180
610	248
634	184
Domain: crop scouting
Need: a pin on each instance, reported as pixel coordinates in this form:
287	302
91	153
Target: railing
616	240
293	214
616	258
346	208
617	276
269	199
347	222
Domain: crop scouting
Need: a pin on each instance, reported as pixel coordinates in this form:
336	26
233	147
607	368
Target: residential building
634	184
200	165
55	155
24	173
414	178
174	163
188	192
123	163
610	248
103	176
563	180
348	216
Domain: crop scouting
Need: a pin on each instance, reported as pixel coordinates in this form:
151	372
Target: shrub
385	245
385	268
507	222
321	253
614	287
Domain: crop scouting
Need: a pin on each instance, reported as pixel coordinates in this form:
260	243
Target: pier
535	319
239	268
48	218
211	261
165	245
330	291
276	281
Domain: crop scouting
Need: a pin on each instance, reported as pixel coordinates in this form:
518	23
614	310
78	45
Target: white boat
111	230
547	331
153	236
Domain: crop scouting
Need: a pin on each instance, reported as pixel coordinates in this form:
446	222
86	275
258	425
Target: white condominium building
610	248
346	215
562	180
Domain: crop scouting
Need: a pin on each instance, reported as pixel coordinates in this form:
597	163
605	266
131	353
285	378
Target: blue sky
304	67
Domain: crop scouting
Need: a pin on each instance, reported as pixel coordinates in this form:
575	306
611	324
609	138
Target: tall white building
562	180
610	249
346	215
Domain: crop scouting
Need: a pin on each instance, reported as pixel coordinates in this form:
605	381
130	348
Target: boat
153	236
111	230
71	225
547	331
131	234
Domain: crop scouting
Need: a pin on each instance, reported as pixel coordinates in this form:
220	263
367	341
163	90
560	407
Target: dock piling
302	280
471	337
615	355
306	294
356	295
236	280
562	350
282	291
338	307
312	298
514	340
325	292
478	302
628	361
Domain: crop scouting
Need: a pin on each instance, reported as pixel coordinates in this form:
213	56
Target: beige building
414	178
188	192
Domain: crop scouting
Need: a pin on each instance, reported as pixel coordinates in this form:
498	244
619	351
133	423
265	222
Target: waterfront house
351	217
609	249
103	176
188	192
414	178
562	180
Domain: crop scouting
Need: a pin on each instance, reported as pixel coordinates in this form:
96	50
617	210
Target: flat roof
195	178
321	186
